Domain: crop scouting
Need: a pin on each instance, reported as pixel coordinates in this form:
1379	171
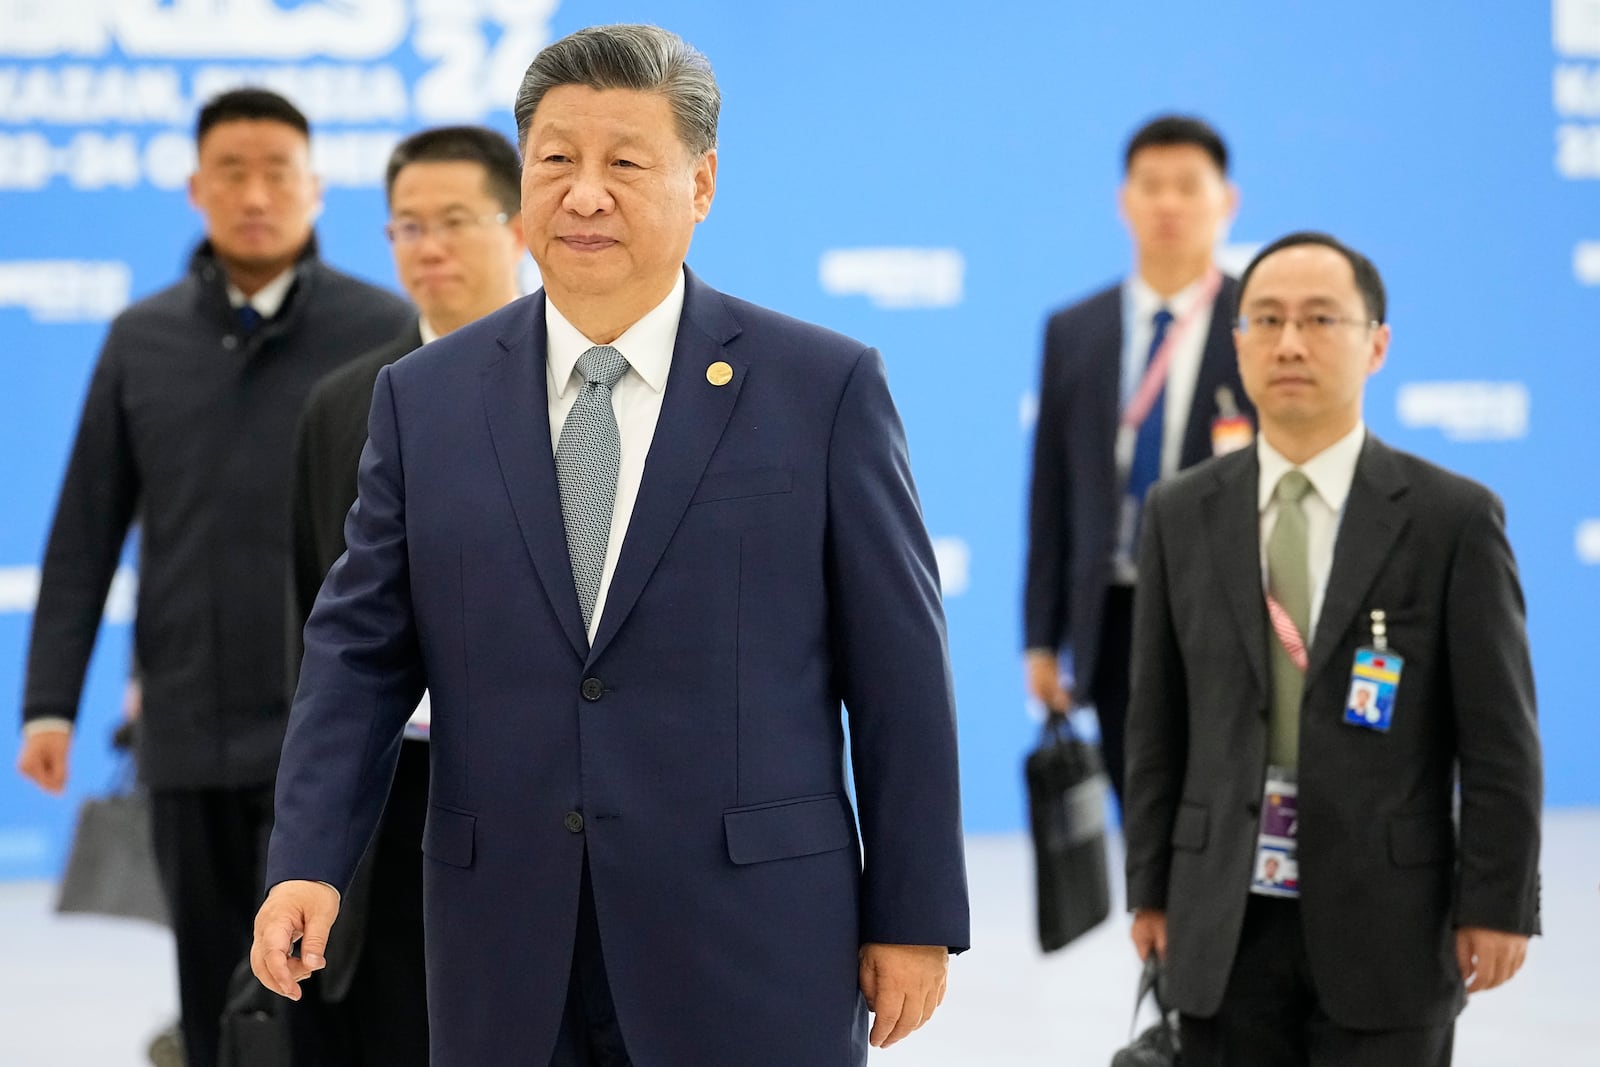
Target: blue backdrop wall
931	177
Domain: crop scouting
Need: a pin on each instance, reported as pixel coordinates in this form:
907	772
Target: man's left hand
1488	958
903	985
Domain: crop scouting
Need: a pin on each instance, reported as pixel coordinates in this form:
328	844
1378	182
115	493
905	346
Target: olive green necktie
1289	582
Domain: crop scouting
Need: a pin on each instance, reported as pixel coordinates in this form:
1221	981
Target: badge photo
1362	705
1276	873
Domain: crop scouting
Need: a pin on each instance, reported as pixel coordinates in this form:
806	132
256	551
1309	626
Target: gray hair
643	58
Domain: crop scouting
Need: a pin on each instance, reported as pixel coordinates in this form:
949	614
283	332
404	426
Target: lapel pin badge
719	373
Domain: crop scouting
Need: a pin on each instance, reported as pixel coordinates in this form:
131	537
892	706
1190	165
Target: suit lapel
694	414
1372	521
1233	529
1103	351
517	405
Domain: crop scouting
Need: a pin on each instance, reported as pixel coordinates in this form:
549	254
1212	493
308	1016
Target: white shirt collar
1330	471
429	334
268	299
646	345
1146	301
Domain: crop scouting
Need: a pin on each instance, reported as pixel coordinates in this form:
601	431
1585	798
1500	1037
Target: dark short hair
250	104
502	171
1368	282
1177	130
646	59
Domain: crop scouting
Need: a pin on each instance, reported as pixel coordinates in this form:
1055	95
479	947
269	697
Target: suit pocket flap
447	836
730	485
1415	840
787	828
1189	828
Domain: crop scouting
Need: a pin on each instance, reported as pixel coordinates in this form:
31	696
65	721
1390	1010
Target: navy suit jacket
775	565
1075	500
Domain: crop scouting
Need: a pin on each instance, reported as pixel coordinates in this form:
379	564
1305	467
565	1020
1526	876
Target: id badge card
1229	434
1277	870
1230	430
1374	680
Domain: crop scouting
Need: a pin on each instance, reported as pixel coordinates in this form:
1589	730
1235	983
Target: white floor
88	993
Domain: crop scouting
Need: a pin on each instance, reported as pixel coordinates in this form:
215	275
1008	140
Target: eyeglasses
449	229
1319	326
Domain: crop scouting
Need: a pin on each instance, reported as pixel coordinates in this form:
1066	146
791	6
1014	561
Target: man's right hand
293	911
1044	681
43	759
1150	933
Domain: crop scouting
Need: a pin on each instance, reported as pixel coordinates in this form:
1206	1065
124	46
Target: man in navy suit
638	842
1138	382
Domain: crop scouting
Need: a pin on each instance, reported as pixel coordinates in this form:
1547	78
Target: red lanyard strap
1155	375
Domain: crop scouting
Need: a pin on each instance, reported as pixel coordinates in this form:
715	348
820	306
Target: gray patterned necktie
1289	582
588	456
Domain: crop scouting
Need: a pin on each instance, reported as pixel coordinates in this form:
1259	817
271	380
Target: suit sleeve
1491	681
359	682
893	670
305	572
1046	586
96	505
1157	737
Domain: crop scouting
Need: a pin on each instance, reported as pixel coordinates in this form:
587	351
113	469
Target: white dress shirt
267	299
1139	306
1330	472
636	399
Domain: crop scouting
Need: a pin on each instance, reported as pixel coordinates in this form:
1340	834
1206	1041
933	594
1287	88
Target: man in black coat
189	422
456	228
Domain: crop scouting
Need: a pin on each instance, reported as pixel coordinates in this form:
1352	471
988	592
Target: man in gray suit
1273	580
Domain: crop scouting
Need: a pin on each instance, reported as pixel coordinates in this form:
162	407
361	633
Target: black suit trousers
211	847
590	1036
1110	689
382	1021
1270	1016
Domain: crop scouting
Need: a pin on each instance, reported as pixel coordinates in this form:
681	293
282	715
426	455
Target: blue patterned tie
1146	466
588	456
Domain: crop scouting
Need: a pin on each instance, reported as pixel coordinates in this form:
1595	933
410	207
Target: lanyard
1288	633
1155	375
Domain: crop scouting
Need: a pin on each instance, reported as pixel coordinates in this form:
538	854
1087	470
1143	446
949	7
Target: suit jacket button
574	822
593	689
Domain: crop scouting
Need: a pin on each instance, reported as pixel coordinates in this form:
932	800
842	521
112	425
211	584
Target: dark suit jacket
1076	497
328	444
775	564
327	450
1386	873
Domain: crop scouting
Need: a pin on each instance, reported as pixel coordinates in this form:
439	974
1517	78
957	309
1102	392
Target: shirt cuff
46	726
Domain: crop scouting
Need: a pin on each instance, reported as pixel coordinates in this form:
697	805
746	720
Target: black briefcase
255	1024
1158	1045
111	868
1067	811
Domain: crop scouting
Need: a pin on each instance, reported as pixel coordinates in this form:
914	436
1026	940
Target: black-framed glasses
1317	326
450	228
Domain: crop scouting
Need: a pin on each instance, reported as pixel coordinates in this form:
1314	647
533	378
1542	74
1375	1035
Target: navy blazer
775	566
1075	499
